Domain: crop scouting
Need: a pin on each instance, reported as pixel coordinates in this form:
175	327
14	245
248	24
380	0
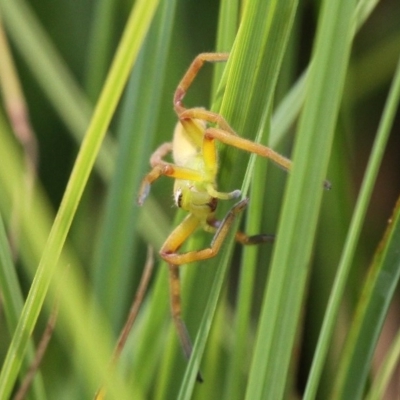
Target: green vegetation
301	318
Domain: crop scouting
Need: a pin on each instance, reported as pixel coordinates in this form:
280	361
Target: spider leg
158	155
178	259
191	73
176	311
172	244
252	147
206	115
244	239
166	169
241	237
248	145
169	253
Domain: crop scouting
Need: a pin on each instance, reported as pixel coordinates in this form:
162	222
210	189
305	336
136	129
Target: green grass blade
227	29
288	110
234	387
235	384
129	47
243	105
292	251
57	82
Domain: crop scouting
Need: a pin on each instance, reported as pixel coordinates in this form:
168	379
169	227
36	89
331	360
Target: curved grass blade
135	30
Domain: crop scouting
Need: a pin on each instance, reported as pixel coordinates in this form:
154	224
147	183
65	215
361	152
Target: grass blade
285	289
136	29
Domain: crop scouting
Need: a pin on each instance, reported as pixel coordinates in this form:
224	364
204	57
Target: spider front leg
163	168
191	73
241	237
169	253
252	147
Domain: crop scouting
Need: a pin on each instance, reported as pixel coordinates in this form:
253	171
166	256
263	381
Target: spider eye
178	198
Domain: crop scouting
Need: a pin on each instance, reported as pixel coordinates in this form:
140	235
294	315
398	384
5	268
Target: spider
195	169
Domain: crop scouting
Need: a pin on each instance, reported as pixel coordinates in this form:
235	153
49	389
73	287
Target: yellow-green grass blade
133	36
